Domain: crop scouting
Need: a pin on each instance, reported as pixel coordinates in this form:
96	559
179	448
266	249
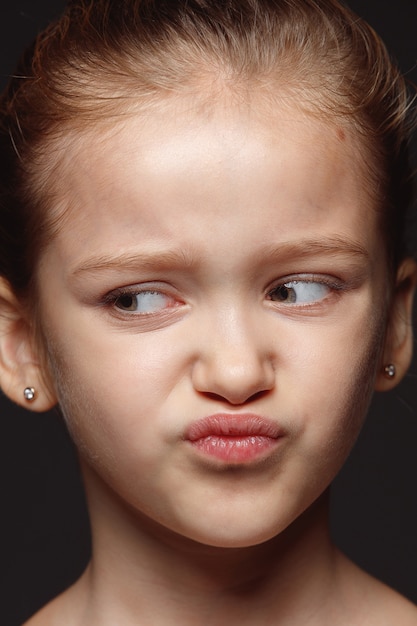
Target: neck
139	568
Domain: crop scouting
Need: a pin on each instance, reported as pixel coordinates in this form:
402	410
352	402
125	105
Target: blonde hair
104	55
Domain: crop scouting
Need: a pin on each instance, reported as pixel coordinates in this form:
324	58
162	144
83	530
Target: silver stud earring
390	370
29	394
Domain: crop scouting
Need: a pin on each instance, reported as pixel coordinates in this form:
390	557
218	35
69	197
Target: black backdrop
44	542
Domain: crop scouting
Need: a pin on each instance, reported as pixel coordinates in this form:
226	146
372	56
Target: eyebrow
162	259
326	246
172	259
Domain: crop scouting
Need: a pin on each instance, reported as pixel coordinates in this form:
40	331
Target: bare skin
208	265
275	584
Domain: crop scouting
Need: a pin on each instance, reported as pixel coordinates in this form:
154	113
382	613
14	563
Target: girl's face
213	307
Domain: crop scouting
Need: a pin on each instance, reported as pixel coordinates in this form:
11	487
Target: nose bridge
234	359
236	328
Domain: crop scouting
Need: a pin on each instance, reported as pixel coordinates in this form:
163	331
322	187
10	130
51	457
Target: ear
20	365
398	348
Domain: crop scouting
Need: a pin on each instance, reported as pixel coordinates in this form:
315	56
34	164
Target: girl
202	258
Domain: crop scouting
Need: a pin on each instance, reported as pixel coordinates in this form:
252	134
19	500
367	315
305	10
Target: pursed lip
234	438
233	425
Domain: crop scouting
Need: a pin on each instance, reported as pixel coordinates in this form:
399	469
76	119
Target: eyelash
289	283
116	296
332	284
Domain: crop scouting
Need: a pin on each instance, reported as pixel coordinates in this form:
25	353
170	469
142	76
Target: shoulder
52	614
47	616
375	604
394	609
64	610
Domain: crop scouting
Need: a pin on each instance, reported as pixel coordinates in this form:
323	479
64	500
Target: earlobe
398	350
20	367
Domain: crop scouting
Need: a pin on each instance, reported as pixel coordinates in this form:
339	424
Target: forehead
182	162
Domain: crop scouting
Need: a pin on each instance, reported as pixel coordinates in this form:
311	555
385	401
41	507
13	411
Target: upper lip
233	425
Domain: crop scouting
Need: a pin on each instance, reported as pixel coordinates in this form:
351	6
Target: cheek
118	411
112	390
336	374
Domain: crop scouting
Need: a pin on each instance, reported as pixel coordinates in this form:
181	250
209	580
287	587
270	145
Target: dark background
44	541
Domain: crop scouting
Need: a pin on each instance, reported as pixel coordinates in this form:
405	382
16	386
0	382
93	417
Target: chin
233	535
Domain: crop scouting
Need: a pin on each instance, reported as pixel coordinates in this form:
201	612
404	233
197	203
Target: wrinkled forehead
237	121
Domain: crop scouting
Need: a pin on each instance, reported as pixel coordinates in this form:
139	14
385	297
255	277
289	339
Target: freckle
341	134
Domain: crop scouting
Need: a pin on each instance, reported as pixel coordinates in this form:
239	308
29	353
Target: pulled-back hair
106	57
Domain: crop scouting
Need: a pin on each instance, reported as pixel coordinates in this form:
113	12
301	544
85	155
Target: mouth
234	439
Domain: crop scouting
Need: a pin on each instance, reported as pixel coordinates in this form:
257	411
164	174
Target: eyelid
164	288
323	279
110	298
334	285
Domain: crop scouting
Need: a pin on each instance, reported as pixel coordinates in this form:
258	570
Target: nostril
258	395
217	397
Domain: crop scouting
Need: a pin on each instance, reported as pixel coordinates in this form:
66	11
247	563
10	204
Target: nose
235	362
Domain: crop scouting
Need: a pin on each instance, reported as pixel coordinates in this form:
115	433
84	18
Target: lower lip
236	450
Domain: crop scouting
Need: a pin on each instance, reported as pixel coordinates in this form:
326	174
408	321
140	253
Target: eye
299	292
143	302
